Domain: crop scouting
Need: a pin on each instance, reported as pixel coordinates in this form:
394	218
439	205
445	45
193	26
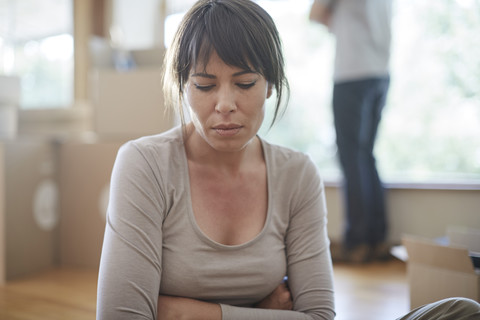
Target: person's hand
174	308
279	299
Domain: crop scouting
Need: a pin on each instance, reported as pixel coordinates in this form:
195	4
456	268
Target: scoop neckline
193	220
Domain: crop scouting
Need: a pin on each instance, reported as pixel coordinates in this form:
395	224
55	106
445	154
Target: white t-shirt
362	30
153	245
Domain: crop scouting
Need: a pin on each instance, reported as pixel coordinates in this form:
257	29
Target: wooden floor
58	294
373	292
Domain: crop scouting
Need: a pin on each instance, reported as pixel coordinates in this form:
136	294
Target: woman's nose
225	101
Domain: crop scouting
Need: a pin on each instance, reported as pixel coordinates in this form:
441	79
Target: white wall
415	211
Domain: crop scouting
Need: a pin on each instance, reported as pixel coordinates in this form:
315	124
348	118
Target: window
36	44
432	122
308	123
430	130
135	26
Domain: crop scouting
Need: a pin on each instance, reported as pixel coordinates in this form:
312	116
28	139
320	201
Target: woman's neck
230	162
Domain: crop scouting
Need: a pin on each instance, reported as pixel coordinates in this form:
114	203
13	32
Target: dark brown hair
242	34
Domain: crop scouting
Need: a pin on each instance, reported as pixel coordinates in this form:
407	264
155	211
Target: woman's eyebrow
211	76
204	75
236	74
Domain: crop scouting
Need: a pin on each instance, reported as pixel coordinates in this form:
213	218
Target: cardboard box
84	175
442	268
129	104
28	207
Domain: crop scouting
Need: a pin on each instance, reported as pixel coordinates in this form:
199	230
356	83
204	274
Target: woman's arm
178	308
309	265
130	267
174	308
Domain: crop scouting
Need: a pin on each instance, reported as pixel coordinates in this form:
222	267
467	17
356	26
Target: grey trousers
447	309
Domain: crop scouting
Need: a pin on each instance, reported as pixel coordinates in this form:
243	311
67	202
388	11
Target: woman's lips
227	131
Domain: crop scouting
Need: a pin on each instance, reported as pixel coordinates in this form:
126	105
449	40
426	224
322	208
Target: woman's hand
279	299
175	308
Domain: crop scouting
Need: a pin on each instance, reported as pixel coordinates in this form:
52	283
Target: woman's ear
269	90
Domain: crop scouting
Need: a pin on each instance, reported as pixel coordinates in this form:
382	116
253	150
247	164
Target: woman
206	220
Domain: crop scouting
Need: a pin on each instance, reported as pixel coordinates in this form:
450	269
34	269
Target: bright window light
37	46
431	125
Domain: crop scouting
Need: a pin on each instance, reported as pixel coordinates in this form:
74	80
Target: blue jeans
357	108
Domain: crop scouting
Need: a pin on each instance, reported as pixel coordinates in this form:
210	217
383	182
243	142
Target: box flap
425	251
464	237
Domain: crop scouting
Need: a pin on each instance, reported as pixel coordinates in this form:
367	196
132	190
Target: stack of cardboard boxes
54	192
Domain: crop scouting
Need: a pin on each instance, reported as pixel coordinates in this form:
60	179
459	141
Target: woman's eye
246	85
204	87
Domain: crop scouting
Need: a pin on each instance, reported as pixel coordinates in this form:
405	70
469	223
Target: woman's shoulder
158	149
172	136
168	140
285	156
292	173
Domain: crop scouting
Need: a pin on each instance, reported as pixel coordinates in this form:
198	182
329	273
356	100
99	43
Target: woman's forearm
177	308
183	308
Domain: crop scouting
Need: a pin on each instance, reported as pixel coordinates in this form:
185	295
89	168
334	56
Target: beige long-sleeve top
153	245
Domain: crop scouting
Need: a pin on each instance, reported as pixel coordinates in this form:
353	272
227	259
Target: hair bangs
230	40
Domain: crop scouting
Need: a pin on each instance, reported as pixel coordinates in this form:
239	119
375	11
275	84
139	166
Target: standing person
206	220
362	29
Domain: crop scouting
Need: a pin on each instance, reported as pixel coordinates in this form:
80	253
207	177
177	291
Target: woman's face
227	104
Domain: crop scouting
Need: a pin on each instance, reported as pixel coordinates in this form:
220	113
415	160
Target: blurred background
80	77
